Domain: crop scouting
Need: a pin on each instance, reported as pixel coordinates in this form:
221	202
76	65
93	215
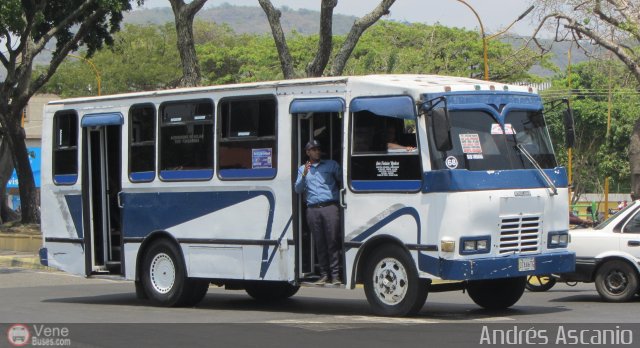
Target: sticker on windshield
496	129
474	156
451	162
470	143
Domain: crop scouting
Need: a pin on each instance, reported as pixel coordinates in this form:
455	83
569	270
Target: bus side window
142	140
186	140
247	142
65	148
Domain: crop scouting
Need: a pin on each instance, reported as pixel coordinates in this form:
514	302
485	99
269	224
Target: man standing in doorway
320	180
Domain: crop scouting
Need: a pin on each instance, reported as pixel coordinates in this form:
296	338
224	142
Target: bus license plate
526	264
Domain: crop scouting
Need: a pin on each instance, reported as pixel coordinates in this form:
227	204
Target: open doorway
326	127
101	185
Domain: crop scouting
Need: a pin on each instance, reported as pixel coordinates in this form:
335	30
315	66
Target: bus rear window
65	148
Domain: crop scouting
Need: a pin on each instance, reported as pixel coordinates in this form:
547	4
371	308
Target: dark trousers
324	224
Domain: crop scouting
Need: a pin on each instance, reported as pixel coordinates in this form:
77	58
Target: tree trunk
6	168
362	24
318	65
28	199
184	15
273	16
634	160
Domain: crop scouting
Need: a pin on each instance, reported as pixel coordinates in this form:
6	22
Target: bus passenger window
142	140
384	156
65	148
186	140
247	146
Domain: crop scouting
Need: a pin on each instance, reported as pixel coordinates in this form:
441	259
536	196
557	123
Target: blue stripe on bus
266	263
386	220
193	174
142	176
457	180
495	267
260	173
144	213
386	185
65	179
74	204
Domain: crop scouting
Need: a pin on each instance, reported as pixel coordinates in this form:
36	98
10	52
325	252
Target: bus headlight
475	245
558	239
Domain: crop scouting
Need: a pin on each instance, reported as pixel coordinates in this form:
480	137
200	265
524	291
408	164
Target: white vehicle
609	255
181	188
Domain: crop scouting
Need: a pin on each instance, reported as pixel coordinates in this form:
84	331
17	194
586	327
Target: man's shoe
336	282
322	281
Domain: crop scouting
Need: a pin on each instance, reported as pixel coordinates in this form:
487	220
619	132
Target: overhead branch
273	16
319	63
61	54
40	44
360	25
616	49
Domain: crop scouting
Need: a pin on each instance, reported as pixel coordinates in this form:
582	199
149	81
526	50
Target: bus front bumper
499	267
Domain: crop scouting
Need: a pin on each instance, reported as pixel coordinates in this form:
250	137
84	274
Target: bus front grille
520	234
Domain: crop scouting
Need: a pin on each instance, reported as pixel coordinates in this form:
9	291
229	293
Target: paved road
30	296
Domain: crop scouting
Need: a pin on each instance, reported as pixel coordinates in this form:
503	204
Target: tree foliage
26	28
613	25
142	58
596	155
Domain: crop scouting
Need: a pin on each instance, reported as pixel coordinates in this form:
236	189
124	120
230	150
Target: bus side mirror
441	129
569	128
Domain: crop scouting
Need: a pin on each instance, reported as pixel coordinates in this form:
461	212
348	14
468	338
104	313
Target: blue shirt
322	182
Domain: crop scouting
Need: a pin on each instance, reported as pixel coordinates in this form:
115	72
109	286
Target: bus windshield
481	143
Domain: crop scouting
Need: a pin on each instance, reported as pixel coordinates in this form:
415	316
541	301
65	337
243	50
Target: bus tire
271	291
199	288
164	275
391	283
616	281
540	283
496	293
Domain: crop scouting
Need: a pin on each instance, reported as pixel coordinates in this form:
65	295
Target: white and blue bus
180	189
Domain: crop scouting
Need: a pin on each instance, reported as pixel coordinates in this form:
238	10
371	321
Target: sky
494	14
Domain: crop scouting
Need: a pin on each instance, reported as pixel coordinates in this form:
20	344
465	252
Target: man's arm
300	184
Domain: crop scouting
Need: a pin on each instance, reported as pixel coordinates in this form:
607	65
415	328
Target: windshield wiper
554	190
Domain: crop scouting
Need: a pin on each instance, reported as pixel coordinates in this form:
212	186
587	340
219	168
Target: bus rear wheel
164	277
391	283
496	293
271	291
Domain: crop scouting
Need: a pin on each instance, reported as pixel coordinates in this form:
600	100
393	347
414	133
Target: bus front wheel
496	293
391	283
164	277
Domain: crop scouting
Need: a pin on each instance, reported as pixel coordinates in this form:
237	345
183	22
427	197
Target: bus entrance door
100	187
321	122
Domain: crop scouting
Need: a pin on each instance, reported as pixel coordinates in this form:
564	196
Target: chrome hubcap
163	273
390	281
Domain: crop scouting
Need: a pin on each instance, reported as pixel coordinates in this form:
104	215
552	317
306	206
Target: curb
24	262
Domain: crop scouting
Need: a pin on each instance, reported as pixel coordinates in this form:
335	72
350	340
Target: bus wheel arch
391	282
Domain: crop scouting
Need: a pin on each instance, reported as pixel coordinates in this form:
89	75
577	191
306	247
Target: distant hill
247	19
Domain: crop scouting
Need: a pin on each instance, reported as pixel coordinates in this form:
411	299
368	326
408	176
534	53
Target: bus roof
414	82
